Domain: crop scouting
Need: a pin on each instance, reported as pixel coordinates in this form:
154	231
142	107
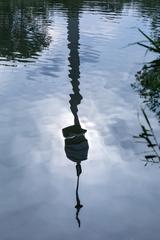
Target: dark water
65	63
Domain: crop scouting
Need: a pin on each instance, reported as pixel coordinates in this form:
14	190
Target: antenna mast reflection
76	145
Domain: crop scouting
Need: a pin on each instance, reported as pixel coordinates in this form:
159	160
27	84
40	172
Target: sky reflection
120	196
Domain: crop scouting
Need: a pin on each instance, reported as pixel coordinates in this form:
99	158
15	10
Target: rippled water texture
65	68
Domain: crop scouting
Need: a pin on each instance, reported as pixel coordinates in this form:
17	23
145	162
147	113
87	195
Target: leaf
148	47
150	40
150	157
145	132
152	145
136	137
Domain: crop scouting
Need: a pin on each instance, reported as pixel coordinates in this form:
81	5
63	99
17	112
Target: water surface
63	62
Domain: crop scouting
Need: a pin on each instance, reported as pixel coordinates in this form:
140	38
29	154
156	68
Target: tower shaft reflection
76	145
74	62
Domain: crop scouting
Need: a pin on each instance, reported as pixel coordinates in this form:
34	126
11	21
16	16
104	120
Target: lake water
66	60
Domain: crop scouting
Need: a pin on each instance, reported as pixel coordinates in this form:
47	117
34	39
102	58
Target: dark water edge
67	119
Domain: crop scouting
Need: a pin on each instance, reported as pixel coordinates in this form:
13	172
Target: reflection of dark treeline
150	9
23	31
23	23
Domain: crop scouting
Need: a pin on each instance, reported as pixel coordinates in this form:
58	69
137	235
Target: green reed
148	137
154	45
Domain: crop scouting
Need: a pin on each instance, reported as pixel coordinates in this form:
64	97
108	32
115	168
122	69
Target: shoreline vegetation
148	86
147	82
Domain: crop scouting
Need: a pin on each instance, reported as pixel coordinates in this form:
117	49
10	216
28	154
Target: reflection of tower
76	145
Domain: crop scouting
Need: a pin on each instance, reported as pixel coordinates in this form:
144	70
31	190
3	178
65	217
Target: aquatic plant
148	78
154	44
148	86
148	137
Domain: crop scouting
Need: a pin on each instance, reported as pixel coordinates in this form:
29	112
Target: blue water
39	47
